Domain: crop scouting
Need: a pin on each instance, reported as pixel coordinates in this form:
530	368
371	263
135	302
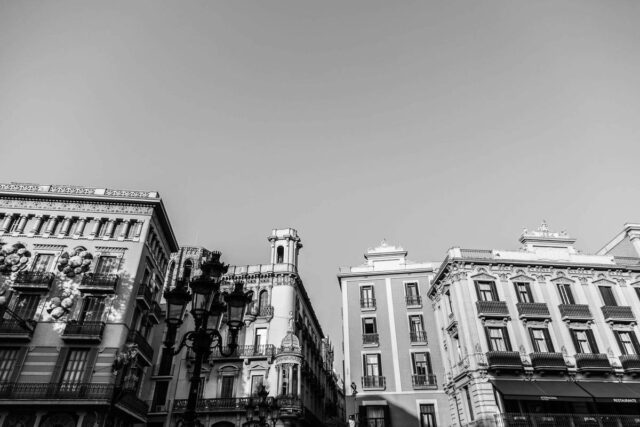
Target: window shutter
505	337
91	362
515	286
494	291
22	354
488	335
547	338
533	341
574	338
634	340
622	349
57	370
592	341
478	291
379	365
413	363
429	370
528	287
387	416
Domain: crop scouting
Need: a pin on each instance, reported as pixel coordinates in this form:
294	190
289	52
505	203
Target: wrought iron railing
246	351
619	313
575	312
367	303
33	279
418	337
265	311
630	362
36	391
533	310
217	404
369	338
15	327
548	361
373	382
419	381
84	330
290	401
413	300
100	281
144	347
492	308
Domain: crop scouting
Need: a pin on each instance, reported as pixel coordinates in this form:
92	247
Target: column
125	230
7	223
65	226
22	223
37	225
111	223
138	229
96	227
82	222
51	225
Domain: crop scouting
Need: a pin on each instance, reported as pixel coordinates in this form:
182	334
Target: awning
612	392
541	390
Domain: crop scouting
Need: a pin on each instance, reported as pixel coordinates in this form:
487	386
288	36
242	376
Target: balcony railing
577	420
492	309
286	401
418	337
83	331
145	296
533	310
367	303
586	362
373	382
548	362
369	338
221	404
144	348
14	329
630	363
99	282
33	280
155	312
424	381
413	300
620	313
246	351
575	312
69	391
158	408
504	360
266	311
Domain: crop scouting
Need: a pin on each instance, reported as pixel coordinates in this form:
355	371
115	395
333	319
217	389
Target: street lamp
264	407
207	309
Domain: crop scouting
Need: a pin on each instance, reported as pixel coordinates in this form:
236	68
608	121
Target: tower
285	245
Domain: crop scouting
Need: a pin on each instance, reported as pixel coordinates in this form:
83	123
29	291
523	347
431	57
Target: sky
430	124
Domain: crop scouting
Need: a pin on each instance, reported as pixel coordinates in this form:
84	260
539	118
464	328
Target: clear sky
430	124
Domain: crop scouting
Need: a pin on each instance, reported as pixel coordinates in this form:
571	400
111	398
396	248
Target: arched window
263	301
186	272
280	255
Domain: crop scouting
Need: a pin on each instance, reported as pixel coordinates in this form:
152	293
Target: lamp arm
233	345
183	341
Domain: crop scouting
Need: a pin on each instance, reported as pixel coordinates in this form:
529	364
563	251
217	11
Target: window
367	297
372	370
523	292
256	382
107	265
284	380
469	405
75	366
416	329
263	302
565	293
369	331
374	416
8	363
584	341
427	416
42	263
541	340
421	363
186	271
280	255
92	309
486	291
628	342
498	338
412	293
226	389
607	295
260	338
25	305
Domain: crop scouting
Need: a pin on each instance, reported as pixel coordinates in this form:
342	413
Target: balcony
155	313
413	300
369	339
548	362
11	329
492	309
621	314
83	331
598	363
246	351
533	310
630	363
424	381
504	361
63	391
368	303
146	351
144	296
373	383
33	281
289	403
222	404
418	337
99	282
575	312
266	311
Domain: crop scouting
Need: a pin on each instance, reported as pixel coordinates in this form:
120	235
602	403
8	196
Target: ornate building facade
81	271
393	366
281	347
544	335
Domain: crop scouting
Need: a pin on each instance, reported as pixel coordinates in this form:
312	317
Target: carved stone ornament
75	262
13	257
120	208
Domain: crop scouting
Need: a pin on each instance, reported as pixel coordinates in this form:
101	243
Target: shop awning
541	390
612	391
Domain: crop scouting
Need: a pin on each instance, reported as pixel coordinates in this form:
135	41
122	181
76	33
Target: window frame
492	291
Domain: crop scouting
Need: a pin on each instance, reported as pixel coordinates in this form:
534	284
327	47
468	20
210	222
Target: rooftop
386	258
76	190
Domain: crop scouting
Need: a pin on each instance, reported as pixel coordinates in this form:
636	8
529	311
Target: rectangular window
107	265
367	297
256	382
523	292
42	263
607	295
469	405
416	329
486	291
25	305
565	293
412	293
8	363
372	366
369	325
374	416
541	340
92	309
427	416
498	338
421	363
584	341
75	366
226	389
628	342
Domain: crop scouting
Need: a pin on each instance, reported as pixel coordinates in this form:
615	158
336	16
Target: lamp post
354	416
207	307
266	408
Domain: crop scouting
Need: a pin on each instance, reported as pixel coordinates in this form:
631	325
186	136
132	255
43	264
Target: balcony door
92	309
486	291
427	416
107	265
42	263
226	387
367	296
260	339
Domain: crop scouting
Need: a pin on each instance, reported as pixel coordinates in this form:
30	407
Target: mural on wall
13	258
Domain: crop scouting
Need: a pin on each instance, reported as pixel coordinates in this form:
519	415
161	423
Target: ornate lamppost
264	407
208	304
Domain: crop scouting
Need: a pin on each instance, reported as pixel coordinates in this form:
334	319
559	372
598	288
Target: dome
290	342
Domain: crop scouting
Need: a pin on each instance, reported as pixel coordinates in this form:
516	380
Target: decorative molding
116	208
111	249
49	247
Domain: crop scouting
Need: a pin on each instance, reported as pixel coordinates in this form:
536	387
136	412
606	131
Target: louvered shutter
547	338
592	341
574	338
634	340
623	350
89	368
505	337
59	367
533	341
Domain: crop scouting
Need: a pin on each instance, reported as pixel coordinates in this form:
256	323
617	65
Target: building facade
81	273
543	336
392	362
281	347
